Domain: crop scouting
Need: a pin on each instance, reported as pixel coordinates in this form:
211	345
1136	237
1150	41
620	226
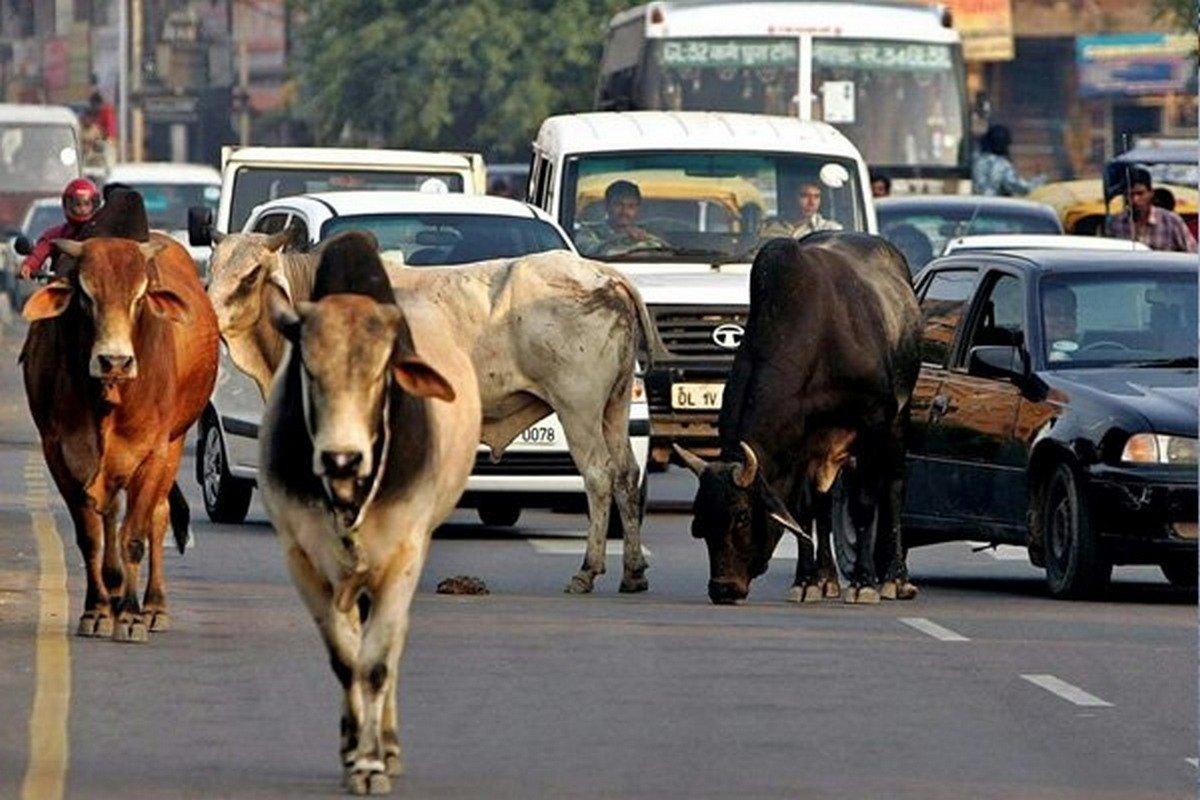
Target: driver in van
619	233
80	202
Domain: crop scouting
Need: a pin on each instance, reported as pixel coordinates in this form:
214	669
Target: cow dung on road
462	584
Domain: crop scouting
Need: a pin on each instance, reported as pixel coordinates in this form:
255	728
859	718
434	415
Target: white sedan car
536	470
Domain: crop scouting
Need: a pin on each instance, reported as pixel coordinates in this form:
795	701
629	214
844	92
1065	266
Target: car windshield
440	239
37	158
922	233
256	185
1142	318
688	207
167	203
43	217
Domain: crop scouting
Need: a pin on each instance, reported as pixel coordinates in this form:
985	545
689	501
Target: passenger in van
80	201
620	232
808	217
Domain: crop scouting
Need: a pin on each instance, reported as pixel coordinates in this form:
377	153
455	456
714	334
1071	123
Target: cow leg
154	604
890	554
816	577
146	517
625	487
96	619
859	520
379	754
585	438
341	633
822	523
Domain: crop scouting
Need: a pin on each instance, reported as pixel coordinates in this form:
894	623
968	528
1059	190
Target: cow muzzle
113	366
726	592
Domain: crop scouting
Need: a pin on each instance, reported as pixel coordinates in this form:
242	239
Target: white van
39	155
251	176
712	187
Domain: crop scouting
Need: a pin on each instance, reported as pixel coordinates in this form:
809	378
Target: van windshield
36	158
253	186
686	207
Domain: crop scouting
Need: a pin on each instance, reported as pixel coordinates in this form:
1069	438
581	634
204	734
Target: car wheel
499	514
226	498
1181	571
1075	567
615	531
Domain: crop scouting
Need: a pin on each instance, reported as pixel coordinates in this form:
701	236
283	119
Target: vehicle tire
614	519
1181	571
1075	565
226	498
498	514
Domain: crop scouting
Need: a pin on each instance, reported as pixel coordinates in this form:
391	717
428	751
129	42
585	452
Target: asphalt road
982	687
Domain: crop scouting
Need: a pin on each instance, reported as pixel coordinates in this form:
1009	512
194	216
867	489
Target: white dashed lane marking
933	629
575	547
1068	692
1195	762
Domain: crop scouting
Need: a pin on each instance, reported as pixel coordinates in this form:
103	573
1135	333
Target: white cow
550	332
368	439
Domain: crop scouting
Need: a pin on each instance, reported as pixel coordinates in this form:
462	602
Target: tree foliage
445	74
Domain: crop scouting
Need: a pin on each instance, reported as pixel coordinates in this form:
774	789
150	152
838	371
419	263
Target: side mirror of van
200	226
21	245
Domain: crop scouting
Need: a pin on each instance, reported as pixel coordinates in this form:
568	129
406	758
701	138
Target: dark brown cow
120	358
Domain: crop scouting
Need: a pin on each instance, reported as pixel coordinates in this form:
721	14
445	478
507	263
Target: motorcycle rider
80	201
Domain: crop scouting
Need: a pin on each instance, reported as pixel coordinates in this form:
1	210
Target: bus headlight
1153	448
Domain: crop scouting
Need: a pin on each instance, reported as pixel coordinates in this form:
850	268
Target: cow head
246	278
114	283
352	350
730	513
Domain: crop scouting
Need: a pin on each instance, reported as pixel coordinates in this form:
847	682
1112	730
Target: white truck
254	175
712	187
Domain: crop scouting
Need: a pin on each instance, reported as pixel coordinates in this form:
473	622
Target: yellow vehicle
674	201
1080	204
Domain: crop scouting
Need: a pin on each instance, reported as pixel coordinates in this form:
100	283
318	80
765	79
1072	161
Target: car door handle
940	405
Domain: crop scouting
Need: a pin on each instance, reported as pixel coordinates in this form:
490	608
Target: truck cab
681	202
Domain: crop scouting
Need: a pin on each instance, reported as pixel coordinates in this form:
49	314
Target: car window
939	226
943	302
272	222
1001	314
167	203
43	218
441	239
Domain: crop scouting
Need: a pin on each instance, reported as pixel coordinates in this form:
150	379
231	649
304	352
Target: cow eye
247	282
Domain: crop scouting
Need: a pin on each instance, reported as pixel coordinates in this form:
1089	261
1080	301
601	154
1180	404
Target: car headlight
1153	448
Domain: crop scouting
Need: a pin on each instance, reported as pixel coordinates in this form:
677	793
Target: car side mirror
200	226
998	361
21	245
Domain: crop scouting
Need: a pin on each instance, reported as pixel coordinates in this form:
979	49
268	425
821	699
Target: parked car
536	471
921	225
1056	409
168	190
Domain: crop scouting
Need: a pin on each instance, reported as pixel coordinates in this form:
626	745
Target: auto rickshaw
673	201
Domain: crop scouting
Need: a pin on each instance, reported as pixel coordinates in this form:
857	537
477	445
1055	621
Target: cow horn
277	241
744	474
69	246
690	460
216	236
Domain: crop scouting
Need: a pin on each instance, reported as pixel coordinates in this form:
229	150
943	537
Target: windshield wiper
1183	361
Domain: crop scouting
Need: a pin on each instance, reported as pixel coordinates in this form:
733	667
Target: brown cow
119	361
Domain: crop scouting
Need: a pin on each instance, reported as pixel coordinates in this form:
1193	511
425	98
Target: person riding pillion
80	201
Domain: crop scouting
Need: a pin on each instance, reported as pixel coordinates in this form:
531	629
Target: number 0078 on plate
696	396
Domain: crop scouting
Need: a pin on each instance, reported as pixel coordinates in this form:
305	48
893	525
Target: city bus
888	75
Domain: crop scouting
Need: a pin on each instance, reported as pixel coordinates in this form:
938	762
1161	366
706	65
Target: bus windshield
688	207
901	103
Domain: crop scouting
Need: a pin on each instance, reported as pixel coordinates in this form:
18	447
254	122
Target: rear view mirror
200	226
22	245
997	361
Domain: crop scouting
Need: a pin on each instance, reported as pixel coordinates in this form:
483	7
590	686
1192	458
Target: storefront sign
986	27
1134	64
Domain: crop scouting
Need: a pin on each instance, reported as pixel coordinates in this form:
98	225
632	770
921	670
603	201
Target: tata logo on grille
728	336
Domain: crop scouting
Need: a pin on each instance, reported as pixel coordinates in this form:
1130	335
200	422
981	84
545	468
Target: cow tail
656	350
181	516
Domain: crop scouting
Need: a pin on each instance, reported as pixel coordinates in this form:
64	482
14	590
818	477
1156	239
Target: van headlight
1153	448
638	392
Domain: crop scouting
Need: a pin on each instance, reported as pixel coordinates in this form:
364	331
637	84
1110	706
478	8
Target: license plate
540	436
696	396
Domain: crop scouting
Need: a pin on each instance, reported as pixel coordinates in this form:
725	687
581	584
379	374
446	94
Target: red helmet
80	200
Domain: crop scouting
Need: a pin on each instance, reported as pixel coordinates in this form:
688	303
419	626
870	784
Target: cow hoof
806	593
580	584
131	630
362	782
631	585
860	595
393	764
832	591
93	624
160	621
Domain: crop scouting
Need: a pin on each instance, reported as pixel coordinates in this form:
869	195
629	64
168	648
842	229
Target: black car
921	225
1057	409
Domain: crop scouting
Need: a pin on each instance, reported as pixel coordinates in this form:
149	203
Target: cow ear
150	249
287	320
779	512
421	380
165	303
690	460
49	301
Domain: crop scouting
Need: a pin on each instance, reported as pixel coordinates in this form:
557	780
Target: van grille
687	331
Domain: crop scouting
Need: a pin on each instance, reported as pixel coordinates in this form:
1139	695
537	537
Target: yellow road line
46	774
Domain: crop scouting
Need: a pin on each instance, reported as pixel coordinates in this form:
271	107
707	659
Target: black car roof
1047	261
